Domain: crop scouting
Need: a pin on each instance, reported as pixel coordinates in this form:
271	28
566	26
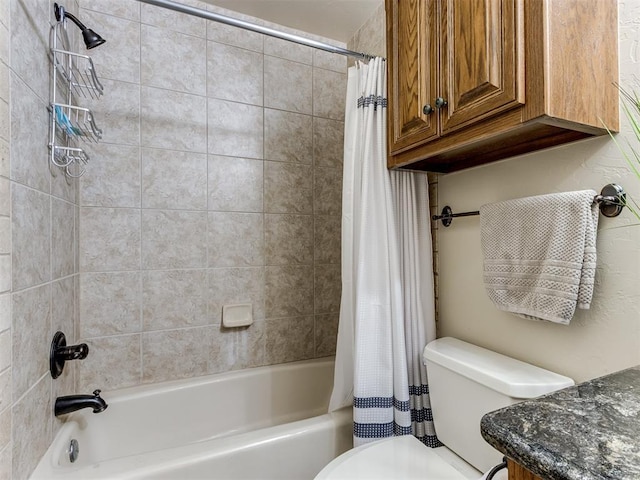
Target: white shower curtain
387	307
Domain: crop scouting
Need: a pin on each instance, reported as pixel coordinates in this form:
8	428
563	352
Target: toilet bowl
401	458
465	382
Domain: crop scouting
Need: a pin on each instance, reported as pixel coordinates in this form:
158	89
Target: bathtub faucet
71	403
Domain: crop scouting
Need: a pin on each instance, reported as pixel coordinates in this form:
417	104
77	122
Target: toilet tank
467	381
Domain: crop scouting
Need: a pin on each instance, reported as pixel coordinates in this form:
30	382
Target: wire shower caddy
73	76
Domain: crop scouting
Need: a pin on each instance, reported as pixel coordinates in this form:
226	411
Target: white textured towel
540	254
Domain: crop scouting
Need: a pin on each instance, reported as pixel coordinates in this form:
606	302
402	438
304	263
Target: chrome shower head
91	38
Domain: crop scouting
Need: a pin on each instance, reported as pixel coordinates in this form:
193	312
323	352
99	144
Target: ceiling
335	19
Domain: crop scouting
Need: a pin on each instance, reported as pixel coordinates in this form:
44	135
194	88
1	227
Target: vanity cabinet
518	472
473	81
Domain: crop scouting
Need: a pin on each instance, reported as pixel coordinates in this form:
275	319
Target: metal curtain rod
216	17
611	201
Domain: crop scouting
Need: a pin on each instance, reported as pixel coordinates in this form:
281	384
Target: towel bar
611	201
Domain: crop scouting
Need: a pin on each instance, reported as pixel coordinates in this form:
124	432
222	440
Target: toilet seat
402	457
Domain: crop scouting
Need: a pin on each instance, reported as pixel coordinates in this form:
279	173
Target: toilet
465	382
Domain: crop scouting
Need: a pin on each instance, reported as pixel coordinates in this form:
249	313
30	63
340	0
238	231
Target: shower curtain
387	306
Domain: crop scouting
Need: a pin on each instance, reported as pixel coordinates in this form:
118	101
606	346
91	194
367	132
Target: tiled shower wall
38	241
218	182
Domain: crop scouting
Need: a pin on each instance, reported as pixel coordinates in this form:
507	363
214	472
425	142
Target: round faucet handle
96	393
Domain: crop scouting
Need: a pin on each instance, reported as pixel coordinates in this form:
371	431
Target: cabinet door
481	54
413	56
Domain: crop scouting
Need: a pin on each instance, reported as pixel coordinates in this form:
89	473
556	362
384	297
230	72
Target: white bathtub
260	423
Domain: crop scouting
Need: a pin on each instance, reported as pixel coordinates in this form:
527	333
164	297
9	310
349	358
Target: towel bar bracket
611	201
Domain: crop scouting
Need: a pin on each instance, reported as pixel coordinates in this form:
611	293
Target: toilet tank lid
503	374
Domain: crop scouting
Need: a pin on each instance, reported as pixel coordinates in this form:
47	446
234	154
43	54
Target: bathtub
259	423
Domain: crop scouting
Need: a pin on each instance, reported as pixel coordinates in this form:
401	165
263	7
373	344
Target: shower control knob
440	102
427	109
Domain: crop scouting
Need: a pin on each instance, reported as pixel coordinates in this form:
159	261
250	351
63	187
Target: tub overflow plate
74	450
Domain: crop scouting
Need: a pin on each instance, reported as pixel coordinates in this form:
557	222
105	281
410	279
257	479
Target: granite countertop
589	431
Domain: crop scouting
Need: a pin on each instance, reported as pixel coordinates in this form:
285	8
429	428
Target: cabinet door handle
440	102
427	109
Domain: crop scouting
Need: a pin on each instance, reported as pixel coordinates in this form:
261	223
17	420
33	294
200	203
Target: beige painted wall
601	340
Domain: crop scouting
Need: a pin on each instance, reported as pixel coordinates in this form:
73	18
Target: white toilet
465	382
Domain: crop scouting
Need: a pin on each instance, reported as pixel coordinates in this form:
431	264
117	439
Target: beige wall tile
5	312
327	288
288	136
5	76
117	112
288	188
5	353
5	384
228	286
5	273
29	137
5	43
5	428
235	184
173	120
174	354
289	339
287	85
229	123
31	229
5	235
235	36
173	239
328	142
114	362
288	291
327	239
370	38
109	239
173	60
119	59
64	187
277	47
172	179
4	120
326	334
327	191
112	179
5	462
169	19
174	299
235	239
243	347
288	239
30	333
109	303
330	61
63	297
119	8
63	239
234	74
5	167
31	429
329	93
30	44
5	196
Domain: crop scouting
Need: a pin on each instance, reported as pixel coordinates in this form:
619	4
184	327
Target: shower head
91	38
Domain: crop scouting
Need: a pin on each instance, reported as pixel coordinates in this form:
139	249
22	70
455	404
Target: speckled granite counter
590	431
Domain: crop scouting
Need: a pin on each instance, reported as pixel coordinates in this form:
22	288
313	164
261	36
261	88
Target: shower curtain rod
216	17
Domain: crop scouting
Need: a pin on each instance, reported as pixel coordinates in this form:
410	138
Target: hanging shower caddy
73	76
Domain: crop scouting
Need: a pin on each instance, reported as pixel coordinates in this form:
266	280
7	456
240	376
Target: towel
540	254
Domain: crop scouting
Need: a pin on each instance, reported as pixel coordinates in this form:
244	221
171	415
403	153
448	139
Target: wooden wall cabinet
474	81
